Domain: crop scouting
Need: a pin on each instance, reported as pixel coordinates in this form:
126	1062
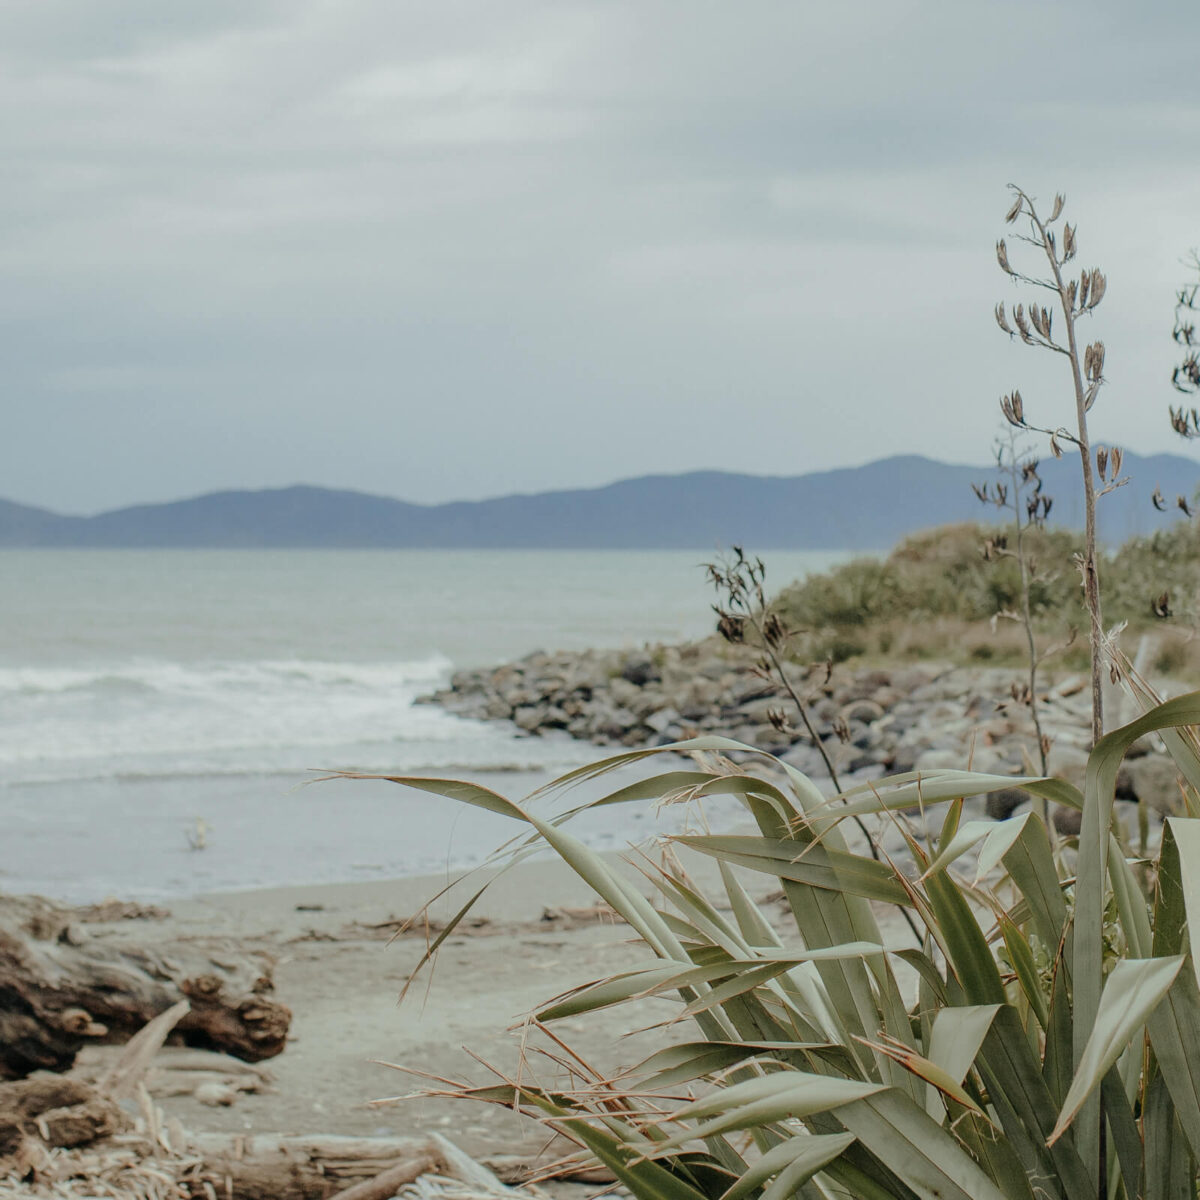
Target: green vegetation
852	1059
938	594
991	1013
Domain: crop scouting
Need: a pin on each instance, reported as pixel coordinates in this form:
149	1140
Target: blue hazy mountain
857	508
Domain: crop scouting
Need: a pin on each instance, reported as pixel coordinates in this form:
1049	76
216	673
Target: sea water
162	713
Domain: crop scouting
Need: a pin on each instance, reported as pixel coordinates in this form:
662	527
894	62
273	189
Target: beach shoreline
339	968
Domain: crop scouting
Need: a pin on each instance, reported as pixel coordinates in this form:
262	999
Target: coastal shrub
860	592
942	575
1036	1038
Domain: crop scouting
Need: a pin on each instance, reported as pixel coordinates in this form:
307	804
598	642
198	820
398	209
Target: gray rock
529	717
804	758
662	720
1068	821
614	723
757	708
1067	762
554	718
851	760
860	735
1154	781
640	669
1001	804
862	711
749	688
940	760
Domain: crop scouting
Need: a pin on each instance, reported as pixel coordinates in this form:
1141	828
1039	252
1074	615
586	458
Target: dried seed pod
1117	455
1102	463
1055	448
1014	212
1069	248
1160	606
1099	287
779	720
1183	506
1157	500
731	627
1002	320
1085	286
1013	410
1023	325
774	631
1059	201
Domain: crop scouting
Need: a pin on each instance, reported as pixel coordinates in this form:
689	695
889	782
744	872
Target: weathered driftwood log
61	1112
270	1167
60	986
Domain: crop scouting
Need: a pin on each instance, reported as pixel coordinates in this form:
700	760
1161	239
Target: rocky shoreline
871	721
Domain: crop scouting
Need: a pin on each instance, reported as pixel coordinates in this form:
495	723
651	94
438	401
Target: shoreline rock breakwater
872	721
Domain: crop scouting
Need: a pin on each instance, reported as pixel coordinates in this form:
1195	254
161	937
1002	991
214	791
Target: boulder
640	669
1154	781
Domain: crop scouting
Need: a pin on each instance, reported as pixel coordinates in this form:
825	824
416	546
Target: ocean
152	700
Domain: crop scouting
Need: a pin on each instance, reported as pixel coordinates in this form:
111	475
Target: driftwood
269	1167
61	1112
61	987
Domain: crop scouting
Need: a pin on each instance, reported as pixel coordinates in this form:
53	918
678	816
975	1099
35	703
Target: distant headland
851	508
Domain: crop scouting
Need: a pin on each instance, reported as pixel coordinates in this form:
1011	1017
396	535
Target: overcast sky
463	248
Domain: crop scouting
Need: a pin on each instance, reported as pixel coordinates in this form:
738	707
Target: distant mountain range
851	508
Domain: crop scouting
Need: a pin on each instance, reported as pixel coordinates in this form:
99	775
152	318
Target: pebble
923	716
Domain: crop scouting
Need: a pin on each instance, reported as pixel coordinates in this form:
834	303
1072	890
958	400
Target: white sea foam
140	691
147	718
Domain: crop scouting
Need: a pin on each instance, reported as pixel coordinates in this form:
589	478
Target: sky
468	248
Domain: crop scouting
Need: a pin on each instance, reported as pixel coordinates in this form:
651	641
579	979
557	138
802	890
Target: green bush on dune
943	575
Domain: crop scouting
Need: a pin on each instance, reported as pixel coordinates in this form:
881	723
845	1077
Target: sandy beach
341	971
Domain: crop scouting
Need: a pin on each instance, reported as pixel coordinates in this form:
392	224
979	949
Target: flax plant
1030	1034
836	1057
1074	299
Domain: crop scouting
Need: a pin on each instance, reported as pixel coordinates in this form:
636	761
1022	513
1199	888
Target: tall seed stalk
741	581
1076	298
1185	377
1021	495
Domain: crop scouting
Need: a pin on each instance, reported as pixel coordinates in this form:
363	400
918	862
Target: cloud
470	248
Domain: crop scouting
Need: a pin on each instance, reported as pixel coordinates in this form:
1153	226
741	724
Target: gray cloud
464	249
